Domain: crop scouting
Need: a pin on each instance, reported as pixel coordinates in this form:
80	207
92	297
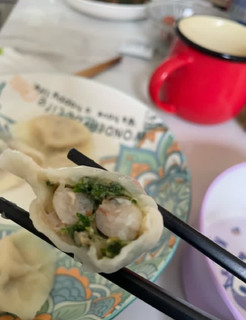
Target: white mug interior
218	35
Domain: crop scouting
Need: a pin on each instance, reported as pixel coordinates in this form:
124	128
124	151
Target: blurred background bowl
221	3
223	220
162	15
115	11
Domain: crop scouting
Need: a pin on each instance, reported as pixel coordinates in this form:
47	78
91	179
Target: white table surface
68	41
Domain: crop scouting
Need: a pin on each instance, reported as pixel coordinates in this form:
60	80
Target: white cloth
13	61
61	39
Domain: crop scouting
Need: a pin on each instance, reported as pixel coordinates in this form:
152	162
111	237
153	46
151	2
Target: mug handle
161	74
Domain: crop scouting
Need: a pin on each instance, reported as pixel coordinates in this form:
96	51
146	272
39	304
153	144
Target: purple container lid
202	277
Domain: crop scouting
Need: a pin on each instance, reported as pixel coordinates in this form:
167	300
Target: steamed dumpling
105	219
7	180
51	136
52	131
27	269
46	139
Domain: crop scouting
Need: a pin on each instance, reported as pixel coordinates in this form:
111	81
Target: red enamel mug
203	79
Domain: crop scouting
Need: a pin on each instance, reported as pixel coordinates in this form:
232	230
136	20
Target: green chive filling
97	191
113	247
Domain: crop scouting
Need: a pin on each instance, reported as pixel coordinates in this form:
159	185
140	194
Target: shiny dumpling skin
151	225
27	271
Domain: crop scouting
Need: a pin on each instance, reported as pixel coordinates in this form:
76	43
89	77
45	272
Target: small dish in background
110	10
223	220
163	15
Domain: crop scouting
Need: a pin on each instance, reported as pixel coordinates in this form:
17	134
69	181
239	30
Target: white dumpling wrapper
151	227
27	270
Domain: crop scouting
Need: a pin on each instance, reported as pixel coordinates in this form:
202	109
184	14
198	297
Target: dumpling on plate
27	270
51	136
105	219
46	139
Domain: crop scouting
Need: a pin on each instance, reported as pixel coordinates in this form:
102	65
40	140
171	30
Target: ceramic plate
110	11
128	138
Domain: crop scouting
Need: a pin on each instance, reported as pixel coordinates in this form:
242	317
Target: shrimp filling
99	213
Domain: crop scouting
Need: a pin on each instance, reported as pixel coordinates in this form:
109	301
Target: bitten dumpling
105	219
27	270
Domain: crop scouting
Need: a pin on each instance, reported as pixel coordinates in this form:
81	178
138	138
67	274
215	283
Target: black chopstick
140	287
213	251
